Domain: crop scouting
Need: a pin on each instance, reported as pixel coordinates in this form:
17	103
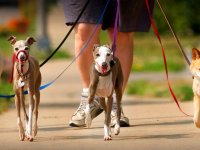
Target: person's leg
83	32
124	51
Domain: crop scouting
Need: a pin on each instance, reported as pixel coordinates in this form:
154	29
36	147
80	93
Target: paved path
155	124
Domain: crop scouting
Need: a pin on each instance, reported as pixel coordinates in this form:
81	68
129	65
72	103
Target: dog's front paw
88	117
117	129
107	137
35	128
29	136
21	134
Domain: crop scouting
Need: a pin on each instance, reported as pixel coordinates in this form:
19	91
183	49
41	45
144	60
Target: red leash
13	63
164	58
15	58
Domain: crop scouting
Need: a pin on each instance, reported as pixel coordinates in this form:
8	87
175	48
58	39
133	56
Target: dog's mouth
104	69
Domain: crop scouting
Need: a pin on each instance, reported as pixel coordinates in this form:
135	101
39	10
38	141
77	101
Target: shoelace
81	107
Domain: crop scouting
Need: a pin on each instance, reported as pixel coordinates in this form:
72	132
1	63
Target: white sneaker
124	121
78	118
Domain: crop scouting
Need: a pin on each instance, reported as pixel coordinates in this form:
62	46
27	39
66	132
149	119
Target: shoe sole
75	125
123	124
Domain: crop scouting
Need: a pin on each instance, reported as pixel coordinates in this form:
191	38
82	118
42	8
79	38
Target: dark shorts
133	13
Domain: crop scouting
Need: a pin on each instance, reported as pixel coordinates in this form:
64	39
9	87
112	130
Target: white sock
85	90
114	97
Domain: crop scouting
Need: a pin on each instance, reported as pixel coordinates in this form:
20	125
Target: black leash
64	39
174	34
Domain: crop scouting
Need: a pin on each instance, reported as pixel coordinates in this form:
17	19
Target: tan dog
26	76
105	78
195	70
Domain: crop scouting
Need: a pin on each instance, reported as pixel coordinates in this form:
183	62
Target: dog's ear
108	46
95	46
195	54
12	40
30	40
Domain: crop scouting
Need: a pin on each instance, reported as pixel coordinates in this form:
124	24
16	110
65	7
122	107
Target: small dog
26	76
105	78
195	70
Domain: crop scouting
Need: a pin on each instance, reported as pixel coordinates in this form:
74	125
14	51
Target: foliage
182	15
5	88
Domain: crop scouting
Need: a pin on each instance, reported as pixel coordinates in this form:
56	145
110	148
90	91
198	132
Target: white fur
105	86
88	118
21	45
103	51
107	134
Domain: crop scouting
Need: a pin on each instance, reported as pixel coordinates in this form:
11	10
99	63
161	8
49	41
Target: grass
5	88
182	89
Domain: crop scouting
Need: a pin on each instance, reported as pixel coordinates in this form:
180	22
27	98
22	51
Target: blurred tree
183	15
194	15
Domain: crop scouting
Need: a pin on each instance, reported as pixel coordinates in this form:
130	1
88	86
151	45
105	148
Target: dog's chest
196	86
105	86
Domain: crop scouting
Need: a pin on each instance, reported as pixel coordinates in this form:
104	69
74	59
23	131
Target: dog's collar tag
21	83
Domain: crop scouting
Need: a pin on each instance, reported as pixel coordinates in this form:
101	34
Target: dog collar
21	74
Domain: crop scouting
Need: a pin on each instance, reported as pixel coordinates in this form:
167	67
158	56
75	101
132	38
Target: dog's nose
104	64
22	57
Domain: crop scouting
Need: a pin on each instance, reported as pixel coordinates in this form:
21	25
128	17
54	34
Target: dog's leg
92	91
88	117
22	98
37	101
19	122
118	98
30	117
107	130
197	111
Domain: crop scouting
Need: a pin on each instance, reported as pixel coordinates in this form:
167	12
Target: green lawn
144	88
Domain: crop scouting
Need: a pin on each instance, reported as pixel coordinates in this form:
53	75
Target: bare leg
82	33
124	52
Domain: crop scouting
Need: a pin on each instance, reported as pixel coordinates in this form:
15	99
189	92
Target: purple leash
115	29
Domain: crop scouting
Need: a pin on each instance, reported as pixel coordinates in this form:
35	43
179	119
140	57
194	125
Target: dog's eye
97	55
26	48
16	49
108	54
